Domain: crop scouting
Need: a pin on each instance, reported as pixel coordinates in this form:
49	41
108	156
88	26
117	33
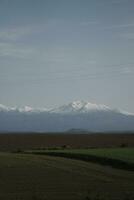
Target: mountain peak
77	115
80	106
88	105
26	109
75	107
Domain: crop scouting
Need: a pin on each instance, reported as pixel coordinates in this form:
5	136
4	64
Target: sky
56	51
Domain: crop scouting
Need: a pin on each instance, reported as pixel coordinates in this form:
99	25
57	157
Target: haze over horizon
55	51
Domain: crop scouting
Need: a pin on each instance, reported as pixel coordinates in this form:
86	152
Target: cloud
88	23
14	50
118	1
126	70
125	31
126	25
128	36
13	34
11	41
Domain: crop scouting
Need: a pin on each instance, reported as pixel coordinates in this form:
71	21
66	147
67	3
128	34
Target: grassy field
123	154
122	158
26	176
35	177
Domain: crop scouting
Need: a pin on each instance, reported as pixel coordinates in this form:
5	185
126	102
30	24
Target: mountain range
78	115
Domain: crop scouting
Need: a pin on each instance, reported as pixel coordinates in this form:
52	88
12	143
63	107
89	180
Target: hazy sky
56	51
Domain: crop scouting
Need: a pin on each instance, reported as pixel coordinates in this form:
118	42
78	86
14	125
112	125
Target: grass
36	177
124	154
117	157
26	176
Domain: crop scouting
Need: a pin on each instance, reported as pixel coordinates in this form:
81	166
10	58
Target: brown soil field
23	141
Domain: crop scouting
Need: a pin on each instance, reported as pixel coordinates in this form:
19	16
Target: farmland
124	154
13	141
122	158
27	175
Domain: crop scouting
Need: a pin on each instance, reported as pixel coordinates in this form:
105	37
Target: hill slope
31	177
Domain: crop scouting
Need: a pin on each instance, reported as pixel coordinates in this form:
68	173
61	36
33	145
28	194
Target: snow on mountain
80	106
3	108
76	115
25	109
73	107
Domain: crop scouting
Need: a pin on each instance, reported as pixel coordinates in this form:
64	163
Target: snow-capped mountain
25	109
81	107
74	107
76	115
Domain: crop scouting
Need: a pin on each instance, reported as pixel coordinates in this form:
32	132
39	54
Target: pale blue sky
55	51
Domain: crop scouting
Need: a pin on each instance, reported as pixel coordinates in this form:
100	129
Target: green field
124	154
37	177
54	168
122	158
